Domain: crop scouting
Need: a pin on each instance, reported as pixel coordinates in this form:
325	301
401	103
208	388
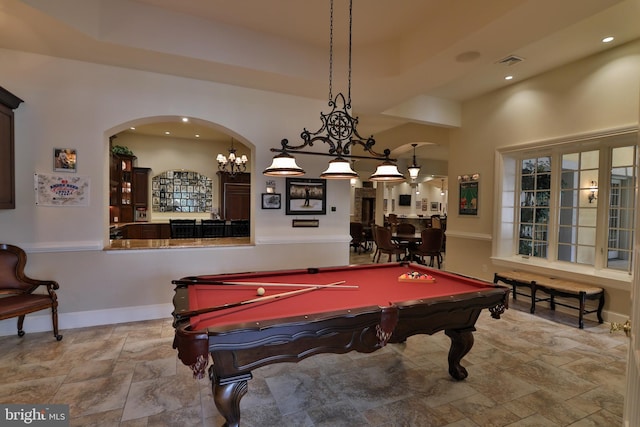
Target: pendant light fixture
233	164
414	169
339	132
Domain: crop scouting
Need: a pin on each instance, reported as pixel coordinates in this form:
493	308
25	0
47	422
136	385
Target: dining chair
405	228
431	246
239	227
386	245
183	228
358	240
210	228
392	219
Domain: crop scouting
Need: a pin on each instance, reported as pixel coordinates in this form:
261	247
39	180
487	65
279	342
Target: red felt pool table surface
378	285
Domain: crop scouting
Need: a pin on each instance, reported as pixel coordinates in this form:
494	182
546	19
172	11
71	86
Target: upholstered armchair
17	291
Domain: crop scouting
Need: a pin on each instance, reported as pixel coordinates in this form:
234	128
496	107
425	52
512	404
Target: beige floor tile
524	370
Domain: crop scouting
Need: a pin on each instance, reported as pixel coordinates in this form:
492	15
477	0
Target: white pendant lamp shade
387	171
339	168
414	171
284	165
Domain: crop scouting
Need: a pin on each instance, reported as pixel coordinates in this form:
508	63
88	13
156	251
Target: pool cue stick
191	313
195	281
297	285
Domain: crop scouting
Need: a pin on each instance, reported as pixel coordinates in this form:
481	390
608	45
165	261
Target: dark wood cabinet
235	195
121	188
8	103
140	192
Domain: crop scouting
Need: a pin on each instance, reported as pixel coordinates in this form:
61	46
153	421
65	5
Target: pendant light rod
338	131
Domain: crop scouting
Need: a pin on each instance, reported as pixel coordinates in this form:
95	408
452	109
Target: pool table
364	308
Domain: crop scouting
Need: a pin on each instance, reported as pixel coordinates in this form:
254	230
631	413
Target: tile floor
524	370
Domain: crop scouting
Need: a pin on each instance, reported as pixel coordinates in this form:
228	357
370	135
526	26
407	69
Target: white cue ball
260	291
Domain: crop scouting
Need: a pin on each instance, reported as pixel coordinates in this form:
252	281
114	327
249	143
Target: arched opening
164	170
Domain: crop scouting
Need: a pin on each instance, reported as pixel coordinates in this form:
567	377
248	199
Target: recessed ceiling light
608	39
185	119
167	133
197	135
508	78
132	128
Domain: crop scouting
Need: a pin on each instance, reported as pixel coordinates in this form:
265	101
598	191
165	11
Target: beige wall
598	93
79	105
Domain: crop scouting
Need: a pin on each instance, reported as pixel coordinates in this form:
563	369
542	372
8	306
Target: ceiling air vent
510	60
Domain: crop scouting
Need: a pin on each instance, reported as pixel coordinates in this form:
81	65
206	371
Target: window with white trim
571	202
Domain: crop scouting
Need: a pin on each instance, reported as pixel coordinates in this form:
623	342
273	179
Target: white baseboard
41	321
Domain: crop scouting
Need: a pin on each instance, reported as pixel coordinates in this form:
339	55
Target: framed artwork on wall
65	160
306	196
271	200
468	196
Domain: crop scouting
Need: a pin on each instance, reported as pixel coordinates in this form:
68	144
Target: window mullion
554	203
602	214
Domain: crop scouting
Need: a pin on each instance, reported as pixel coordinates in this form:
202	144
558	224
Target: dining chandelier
232	164
339	132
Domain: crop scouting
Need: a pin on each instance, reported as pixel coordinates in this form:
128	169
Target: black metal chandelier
339	132
233	164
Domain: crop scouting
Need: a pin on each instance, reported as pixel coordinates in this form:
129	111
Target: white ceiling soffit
413	60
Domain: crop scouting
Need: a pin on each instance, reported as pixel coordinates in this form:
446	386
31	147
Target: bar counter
129	244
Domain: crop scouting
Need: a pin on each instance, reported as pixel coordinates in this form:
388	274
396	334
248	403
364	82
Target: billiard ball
260	291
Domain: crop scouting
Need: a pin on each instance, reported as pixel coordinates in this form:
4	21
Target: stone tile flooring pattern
524	370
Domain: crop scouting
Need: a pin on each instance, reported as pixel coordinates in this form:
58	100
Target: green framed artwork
468	194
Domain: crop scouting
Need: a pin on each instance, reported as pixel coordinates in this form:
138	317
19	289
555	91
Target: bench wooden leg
533	288
583	302
600	307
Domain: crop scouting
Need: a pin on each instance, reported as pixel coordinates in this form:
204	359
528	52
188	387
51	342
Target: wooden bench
554	287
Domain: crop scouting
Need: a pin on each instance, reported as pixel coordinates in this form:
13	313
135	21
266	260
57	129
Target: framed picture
306	196
305	223
434	206
65	159
271	200
468	194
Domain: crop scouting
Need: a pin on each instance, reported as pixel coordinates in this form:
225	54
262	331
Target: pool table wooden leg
461	343
227	394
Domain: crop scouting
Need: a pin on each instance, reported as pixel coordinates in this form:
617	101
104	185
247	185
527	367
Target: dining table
408	240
